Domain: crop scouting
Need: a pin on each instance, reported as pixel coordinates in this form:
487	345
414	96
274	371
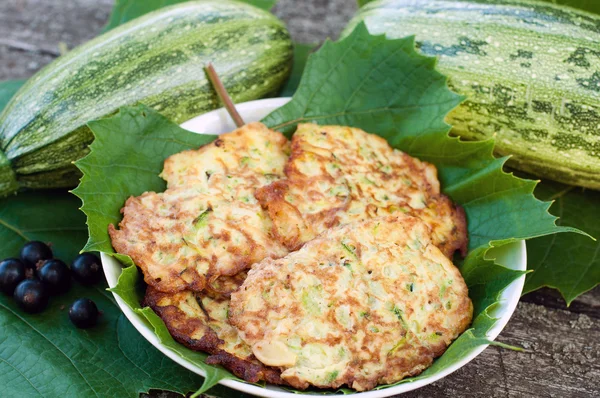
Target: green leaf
44	354
213	374
301	53
127	287
51	217
567	262
485	279
361	67
8	88
500	207
126	10
124	160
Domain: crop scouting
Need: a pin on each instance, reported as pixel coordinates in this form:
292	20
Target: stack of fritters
370	299
194	241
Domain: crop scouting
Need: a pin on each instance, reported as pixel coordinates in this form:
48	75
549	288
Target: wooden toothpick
223	95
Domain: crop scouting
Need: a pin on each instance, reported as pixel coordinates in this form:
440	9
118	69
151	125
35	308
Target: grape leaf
368	81
51	216
45	355
569	263
485	279
403	103
126	10
301	53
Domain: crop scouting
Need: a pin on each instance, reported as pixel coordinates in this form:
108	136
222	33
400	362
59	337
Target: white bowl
217	122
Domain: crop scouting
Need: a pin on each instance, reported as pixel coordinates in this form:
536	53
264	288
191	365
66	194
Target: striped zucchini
530	71
157	60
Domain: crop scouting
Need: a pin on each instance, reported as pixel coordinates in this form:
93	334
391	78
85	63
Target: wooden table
563	348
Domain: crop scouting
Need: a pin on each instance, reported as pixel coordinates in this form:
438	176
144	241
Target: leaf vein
53	345
22	375
14	229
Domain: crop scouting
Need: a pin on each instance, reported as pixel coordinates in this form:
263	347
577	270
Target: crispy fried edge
460	234
209	343
246	370
271	198
169	313
462	244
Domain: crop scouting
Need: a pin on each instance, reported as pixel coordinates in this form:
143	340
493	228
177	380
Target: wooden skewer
223	95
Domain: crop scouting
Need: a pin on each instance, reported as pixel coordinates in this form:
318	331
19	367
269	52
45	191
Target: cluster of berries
37	275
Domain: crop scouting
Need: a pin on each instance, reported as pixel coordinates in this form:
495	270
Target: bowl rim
255	110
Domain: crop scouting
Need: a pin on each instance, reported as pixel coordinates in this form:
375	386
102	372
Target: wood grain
563	349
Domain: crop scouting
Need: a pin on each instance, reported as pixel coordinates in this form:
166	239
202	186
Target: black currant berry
87	269
12	272
31	296
56	276
83	313
33	252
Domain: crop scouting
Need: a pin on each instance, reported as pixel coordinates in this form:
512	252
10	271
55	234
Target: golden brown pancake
208	223
253	154
337	175
363	304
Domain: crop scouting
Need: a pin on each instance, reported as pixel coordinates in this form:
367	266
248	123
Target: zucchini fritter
250	156
208	222
199	322
337	175
365	303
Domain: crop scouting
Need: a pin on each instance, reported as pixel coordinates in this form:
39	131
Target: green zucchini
530	71
157	60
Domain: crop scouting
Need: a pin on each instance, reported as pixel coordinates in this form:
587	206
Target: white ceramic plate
217	122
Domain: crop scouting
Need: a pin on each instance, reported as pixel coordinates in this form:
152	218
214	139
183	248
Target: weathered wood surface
563	345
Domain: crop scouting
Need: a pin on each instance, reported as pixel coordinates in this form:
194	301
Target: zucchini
157	60
530	71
